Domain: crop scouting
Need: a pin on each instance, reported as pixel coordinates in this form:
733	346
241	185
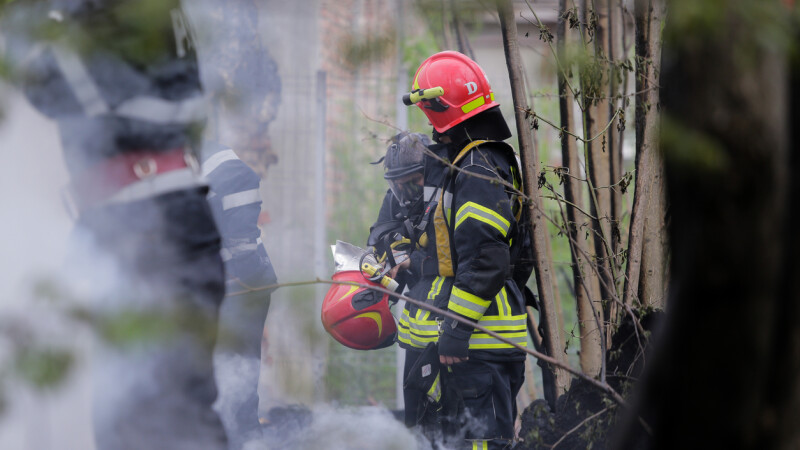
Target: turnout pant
153	372
478	405
238	363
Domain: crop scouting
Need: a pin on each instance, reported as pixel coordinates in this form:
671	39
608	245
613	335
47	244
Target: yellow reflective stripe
436	287
420	326
466	304
502	303
435	392
483	341
406	336
416	333
480	444
484	214
480	101
518	322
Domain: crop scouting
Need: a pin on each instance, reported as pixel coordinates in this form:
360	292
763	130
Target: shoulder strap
444	249
466	149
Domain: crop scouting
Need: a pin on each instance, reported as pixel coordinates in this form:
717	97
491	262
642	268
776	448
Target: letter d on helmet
466	90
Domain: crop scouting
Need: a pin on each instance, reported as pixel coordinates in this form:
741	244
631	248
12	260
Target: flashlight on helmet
417	95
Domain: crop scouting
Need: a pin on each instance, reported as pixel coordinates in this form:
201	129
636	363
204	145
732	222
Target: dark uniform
461	263
129	106
236	203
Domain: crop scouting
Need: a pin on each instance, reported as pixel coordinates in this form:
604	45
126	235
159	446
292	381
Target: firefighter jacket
464	237
236	204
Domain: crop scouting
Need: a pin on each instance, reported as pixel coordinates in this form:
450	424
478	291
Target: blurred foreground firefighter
121	81
242	81
460	384
236	204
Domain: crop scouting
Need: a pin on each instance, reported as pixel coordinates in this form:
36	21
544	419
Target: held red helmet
450	88
358	317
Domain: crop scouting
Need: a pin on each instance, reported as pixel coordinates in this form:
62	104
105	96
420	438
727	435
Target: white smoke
35	233
355	429
35	230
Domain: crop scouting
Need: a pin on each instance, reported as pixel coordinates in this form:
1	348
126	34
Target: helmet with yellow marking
450	88
356	316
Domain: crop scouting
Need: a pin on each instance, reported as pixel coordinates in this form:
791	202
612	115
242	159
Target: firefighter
236	204
465	234
127	98
242	81
402	205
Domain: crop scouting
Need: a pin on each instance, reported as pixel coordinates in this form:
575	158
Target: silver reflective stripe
518	324
436	287
502	303
424	329
467	304
144	108
476	340
217	159
156	185
229	252
236	249
240	199
484	215
447	199
429	193
82	84
158	110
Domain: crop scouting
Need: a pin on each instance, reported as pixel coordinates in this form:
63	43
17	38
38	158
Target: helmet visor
407	189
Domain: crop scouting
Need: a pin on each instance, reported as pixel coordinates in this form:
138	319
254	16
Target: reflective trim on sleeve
81	83
240	199
217	159
483	214
466	304
145	108
158	110
230	251
416	332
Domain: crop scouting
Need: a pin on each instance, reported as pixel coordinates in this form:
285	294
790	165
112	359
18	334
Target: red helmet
450	88
356	316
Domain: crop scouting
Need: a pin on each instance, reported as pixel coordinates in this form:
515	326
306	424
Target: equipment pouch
424	375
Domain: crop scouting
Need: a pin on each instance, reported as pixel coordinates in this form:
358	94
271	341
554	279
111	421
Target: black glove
454	340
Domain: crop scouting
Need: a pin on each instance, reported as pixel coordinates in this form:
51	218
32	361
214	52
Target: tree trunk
644	282
584	278
545	278
614	148
594	77
734	208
